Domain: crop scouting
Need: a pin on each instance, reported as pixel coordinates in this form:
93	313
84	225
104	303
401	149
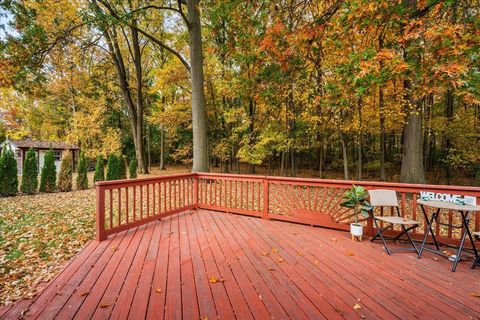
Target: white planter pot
356	230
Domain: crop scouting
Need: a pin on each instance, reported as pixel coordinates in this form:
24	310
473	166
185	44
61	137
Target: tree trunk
344	154
137	60
199	123
162	148
412	170
381	106
359	142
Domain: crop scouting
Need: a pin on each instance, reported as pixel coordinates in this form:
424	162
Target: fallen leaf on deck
265	254
203	318
85	293
271	269
317	262
216	280
105	305
333	239
300	254
280	260
435	258
114	248
349	253
275	250
475	294
356	306
159	290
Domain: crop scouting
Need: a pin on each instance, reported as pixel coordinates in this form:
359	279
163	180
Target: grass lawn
39	233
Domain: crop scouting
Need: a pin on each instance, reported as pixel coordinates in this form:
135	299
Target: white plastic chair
388	198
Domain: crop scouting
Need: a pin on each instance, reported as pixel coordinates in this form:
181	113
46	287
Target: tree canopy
370	89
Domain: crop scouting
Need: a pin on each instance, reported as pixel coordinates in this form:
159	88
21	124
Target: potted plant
356	199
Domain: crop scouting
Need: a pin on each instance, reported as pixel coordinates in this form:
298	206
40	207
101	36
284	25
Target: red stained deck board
107	292
142	293
255	304
222	302
206	303
95	279
268	265
65	292
239	303
396	287
161	271
436	292
156	305
280	294
173	303
189	293
124	301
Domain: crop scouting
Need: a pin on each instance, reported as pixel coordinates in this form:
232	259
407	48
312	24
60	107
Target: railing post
100	212
195	191
265	199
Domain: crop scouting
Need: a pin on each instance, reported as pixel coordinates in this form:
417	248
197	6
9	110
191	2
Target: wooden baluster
241	194
159	200
119	206
111	208
148	200
134	203
153	199
141	202
450	221
253	196
170	195
414	210
126	203
246	195
236	193
265	199
164	197
100	213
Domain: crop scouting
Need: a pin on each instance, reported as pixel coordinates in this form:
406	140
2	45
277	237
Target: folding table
465	213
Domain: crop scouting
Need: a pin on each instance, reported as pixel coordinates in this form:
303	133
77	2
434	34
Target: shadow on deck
209	265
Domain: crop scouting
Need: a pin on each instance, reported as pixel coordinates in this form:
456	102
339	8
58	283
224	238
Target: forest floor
39	233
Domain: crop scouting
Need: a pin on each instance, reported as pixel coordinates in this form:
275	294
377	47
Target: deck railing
125	204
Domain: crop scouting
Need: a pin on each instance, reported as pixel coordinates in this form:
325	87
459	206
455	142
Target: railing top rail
294	180
375	184
343	182
145	180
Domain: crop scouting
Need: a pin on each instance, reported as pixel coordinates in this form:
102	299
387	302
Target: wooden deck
209	265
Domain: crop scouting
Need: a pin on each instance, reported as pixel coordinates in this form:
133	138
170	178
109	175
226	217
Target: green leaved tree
48	179
132	168
99	170
8	173
65	176
113	168
82	179
30	173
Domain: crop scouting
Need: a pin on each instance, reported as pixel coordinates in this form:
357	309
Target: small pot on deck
356	229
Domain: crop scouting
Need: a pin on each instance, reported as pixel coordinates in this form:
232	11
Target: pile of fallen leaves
38	234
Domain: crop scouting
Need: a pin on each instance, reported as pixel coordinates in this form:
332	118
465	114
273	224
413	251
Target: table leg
429	230
462	242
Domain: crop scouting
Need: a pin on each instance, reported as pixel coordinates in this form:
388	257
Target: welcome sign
445	197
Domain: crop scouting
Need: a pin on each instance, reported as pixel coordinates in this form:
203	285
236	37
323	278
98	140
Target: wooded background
386	90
